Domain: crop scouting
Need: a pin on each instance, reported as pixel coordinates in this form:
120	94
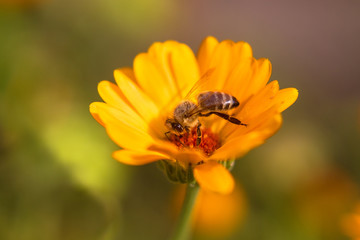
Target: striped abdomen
216	101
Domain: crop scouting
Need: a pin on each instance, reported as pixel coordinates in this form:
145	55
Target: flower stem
183	226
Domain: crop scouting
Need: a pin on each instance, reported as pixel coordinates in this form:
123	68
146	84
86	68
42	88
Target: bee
186	114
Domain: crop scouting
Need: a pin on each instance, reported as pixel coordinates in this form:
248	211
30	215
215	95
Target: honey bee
186	114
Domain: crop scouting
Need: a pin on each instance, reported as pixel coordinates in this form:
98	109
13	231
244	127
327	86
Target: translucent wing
203	84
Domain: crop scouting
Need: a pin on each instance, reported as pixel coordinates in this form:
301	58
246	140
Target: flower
215	216
321	198
136	109
351	223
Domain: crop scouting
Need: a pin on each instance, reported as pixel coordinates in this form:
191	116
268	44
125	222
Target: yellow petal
205	53
178	64
222	61
266	125
118	116
260	102
252	112
240	74
129	138
129	73
189	156
219	215
232	131
95	113
261	75
138	157
270	127
243	51
242	78
138	99
143	105
185	68
242	140
160	54
126	131
237	146
238	79
152	81
286	97
112	95
214	177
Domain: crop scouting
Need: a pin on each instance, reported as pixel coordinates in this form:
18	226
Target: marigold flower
351	223
136	109
215	215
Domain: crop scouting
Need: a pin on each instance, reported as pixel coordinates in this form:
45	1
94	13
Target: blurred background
57	177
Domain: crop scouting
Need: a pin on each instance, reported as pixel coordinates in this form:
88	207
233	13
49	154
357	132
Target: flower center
209	141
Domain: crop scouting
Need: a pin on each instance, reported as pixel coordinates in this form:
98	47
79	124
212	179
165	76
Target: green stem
183	226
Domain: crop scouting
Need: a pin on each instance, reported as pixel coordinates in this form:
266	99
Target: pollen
209	141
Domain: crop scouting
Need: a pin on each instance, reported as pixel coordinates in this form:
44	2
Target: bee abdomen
217	101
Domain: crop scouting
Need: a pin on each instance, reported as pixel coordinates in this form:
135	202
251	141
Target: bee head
173	125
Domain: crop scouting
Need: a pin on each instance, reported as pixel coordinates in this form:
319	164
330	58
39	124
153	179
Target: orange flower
136	109
351	224
215	215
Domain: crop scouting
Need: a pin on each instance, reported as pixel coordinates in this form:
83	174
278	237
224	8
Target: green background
57	177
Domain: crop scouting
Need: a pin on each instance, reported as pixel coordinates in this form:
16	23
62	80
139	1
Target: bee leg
198	131
224	116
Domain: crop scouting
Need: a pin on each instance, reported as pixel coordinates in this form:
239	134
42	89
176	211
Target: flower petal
128	138
205	53
189	156
260	102
261	75
251	113
242	140
270	127
222	61
243	51
152	80
237	146
238	80
95	113
126	131
138	157
185	68
177	63
112	95
161	53
129	118
231	131
242	71
214	177
143	105
138	99
286	97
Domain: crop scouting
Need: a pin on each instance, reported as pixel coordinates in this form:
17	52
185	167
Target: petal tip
94	111
214	177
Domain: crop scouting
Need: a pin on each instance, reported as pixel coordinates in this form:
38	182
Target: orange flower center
209	141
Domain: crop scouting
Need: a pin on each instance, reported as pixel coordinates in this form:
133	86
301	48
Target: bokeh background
57	177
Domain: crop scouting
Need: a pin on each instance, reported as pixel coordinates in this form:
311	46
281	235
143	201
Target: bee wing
201	85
